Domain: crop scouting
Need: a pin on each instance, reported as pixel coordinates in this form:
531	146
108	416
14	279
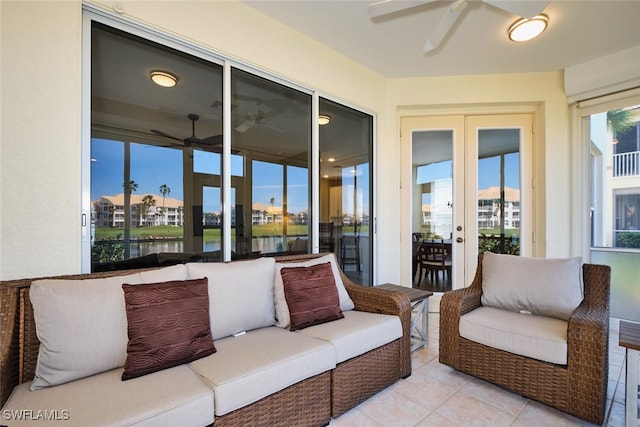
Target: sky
153	166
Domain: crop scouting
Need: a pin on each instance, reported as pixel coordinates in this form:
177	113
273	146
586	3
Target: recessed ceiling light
331	159
163	78
324	119
527	28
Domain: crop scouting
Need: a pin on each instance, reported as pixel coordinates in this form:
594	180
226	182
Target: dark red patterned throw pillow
168	325
311	294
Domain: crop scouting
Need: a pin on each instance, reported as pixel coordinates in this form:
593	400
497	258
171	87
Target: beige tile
537	414
435	420
465	410
354	418
510	403
617	415
390	408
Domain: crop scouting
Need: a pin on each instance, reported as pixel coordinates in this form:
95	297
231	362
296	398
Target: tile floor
436	395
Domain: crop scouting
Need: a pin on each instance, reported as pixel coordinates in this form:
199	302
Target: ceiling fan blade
166	135
385	7
245	126
212	140
444	26
526	9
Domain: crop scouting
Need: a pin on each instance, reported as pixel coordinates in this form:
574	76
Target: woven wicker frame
311	402
578	388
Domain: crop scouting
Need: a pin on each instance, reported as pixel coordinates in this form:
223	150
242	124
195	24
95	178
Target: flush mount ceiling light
527	28
163	78
324	119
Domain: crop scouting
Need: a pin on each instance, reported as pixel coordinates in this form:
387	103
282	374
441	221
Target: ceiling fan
525	9
193	139
260	118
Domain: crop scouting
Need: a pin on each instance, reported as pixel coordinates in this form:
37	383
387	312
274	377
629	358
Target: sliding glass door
215	162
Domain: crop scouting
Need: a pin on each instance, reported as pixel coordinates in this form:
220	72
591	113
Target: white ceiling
578	31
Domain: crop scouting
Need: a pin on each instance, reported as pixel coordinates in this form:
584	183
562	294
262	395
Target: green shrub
628	240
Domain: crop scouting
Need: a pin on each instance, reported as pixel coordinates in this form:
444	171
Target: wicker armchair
578	388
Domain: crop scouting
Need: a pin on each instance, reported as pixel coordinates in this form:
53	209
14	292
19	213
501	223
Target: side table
630	340
419	313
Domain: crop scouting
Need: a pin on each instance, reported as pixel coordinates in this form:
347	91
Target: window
610	133
162	188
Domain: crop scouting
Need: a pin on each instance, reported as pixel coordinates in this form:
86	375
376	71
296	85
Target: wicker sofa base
534	379
353	381
283	408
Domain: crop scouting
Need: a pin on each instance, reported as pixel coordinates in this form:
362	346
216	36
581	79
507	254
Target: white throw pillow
549	287
82	324
240	294
282	309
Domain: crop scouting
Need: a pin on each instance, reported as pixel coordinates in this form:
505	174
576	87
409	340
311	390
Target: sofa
539	327
288	341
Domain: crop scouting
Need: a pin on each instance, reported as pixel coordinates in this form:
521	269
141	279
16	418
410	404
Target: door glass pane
345	189
271	131
499	199
615	202
432	156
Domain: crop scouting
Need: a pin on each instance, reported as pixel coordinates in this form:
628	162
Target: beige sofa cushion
259	363
282	310
357	333
544	286
538	337
173	397
82	324
240	294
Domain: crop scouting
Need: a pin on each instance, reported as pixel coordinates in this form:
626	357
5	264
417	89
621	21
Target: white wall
41	119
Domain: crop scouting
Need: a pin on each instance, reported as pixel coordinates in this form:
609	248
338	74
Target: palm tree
619	121
131	187
164	190
147	202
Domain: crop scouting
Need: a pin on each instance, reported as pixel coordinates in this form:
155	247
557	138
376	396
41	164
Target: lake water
268	244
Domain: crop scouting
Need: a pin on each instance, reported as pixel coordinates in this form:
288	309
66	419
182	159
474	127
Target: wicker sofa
578	387
337	381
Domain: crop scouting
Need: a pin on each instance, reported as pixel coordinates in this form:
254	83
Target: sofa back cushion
282	309
82	324
240	294
549	287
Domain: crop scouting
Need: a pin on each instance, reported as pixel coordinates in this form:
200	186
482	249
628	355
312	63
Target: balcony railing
626	164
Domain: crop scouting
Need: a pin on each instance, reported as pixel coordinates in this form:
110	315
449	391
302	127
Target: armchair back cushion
550	287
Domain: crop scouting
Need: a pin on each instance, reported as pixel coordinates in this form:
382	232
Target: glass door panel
435	170
346	193
498	201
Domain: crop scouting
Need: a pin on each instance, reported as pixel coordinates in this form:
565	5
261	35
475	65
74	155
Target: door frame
463	275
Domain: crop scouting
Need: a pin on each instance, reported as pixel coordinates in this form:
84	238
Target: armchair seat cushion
538	337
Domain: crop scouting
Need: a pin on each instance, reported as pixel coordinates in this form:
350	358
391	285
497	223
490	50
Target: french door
466	180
